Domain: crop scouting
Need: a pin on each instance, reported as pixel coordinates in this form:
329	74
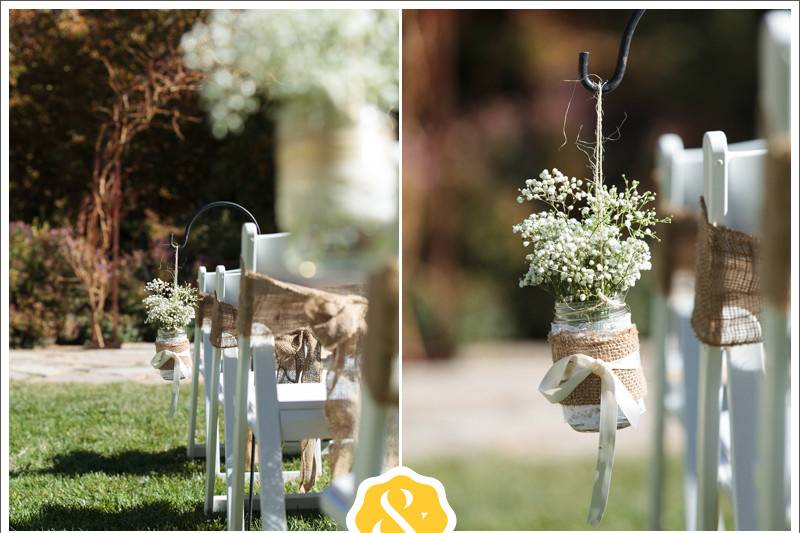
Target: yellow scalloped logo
401	500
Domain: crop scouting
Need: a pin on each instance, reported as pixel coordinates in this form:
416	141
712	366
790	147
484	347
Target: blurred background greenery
59	89
484	100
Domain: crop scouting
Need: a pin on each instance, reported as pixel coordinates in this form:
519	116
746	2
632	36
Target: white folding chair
274	411
676	348
219	373
732	187
774	507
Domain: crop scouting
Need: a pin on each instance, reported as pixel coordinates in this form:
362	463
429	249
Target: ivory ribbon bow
569	372
178	370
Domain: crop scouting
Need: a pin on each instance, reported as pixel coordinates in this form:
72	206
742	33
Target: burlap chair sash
776	249
204	310
336	318
223	325
606	347
381	346
727	302
298	359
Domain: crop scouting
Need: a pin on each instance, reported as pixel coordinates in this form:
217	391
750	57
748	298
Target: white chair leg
208	362
229	367
708	438
773	493
690	355
212	430
236	497
371	439
659	328
190	442
745	375
270	456
318	457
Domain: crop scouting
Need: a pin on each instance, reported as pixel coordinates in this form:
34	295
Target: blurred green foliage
499	115
496	492
47	304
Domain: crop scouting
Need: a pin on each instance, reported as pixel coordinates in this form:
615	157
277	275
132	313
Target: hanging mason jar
172	355
603	331
337	187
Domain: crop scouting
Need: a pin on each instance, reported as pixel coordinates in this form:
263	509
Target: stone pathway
486	400
74	363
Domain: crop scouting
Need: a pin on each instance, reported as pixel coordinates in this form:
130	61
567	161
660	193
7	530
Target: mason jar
597	318
337	187
174	341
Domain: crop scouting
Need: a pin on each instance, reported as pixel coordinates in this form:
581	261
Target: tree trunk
97	331
115	220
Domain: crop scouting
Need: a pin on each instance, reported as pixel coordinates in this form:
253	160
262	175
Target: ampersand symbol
403	505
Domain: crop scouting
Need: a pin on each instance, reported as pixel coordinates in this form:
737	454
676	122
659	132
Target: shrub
45	297
48	304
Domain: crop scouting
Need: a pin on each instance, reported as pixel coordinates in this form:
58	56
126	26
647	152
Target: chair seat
302	410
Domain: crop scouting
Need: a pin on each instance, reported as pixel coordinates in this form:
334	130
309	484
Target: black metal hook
204	209
622	59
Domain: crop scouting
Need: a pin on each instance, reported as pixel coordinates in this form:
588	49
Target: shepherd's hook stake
622	59
205	208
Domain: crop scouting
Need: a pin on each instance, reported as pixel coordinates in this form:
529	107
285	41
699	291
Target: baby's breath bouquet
171	307
331	81
594	258
320	64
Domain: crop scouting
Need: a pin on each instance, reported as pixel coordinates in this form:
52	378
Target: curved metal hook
204	209
622	59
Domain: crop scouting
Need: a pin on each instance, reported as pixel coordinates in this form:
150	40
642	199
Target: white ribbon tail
177	371
569	372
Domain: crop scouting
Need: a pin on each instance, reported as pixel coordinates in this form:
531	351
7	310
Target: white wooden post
668	146
716	196
236	500
212	427
658	331
745	370
191	447
773	501
775	109
273	497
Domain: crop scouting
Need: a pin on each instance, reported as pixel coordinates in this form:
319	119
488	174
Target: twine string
175	274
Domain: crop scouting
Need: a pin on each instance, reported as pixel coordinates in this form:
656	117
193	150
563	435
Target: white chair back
281	412
267	254
744	363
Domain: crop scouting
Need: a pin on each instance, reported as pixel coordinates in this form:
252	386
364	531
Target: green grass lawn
506	494
108	457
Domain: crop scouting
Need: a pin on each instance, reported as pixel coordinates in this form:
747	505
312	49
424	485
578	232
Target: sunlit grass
100	457
500	493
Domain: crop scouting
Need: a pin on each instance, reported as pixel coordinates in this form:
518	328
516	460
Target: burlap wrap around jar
602	331
172	350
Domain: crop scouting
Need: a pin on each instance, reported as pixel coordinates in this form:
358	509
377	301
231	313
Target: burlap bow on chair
338	321
727	302
298	359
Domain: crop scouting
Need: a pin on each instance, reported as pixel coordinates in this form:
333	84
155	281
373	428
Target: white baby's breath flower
169	307
602	254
